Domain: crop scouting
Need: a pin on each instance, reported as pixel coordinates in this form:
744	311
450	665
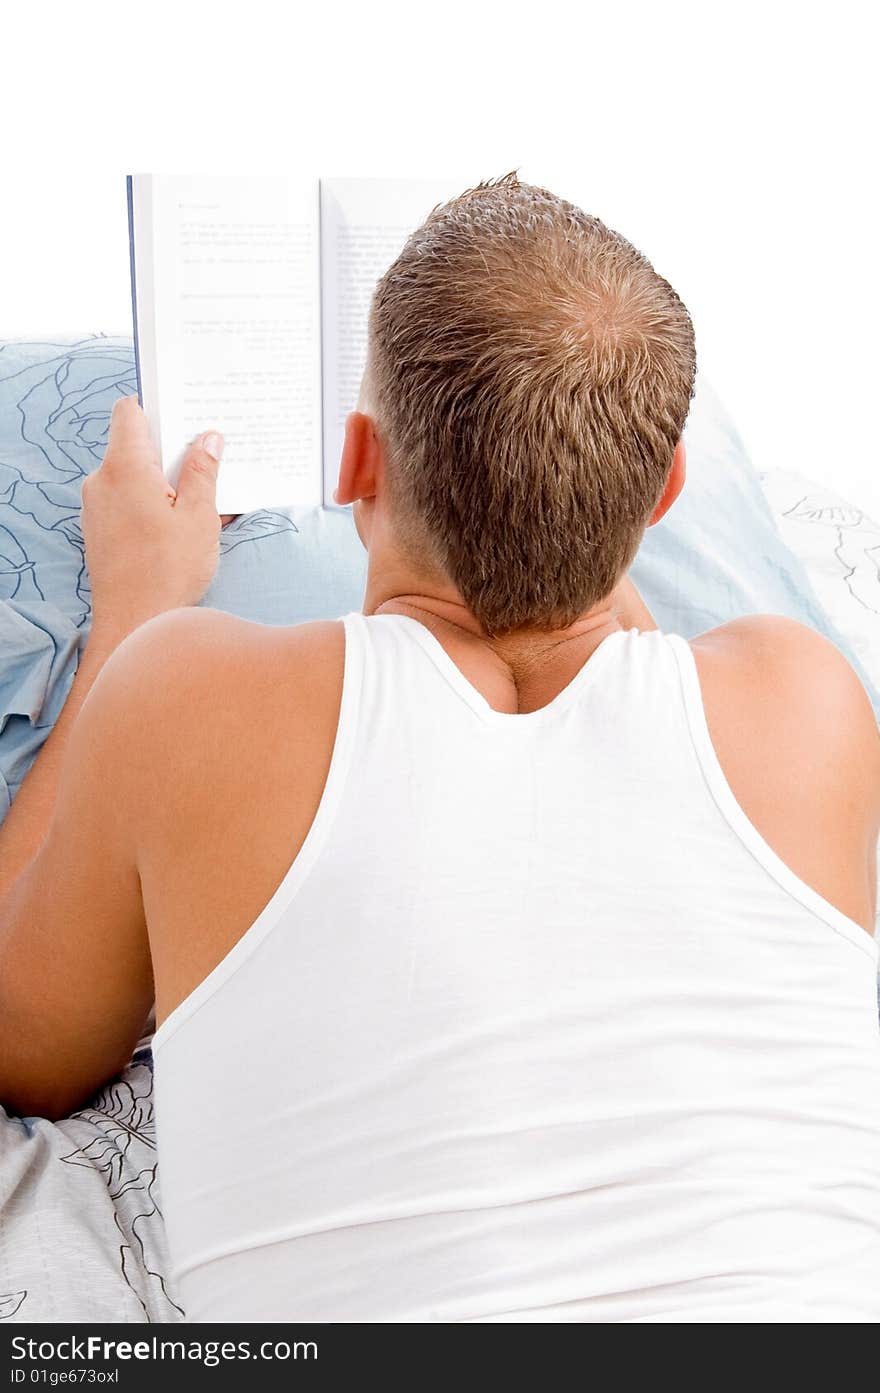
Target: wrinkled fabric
39	650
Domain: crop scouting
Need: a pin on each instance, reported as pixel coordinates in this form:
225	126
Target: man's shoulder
787	670
195	685
191	648
772	635
796	735
214	633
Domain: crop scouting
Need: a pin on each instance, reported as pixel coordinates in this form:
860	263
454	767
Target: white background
735	144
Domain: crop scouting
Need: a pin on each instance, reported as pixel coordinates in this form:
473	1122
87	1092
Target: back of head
531	375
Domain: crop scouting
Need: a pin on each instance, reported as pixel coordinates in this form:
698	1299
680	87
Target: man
520	425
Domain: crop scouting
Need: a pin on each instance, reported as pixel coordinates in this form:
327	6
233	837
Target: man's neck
395	588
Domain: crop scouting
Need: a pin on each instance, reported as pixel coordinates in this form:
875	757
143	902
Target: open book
251	298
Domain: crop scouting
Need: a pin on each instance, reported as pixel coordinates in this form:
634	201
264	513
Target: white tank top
537	1027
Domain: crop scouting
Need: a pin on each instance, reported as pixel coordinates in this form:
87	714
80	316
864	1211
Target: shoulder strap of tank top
344	752
734	814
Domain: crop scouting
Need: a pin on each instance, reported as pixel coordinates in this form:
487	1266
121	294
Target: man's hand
148	549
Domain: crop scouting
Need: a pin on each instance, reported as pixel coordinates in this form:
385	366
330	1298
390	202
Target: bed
81	1235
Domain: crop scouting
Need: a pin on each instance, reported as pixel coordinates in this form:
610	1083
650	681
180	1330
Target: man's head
528	380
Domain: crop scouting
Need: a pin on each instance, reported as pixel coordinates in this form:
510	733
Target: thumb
197	480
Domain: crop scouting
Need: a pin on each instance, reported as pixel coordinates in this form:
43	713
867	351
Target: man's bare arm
73	946
27	822
75	972
149	550
797	739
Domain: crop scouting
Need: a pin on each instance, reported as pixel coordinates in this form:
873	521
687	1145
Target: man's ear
673	487
360	468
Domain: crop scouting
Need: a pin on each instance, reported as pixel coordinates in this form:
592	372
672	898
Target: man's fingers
130	440
197	481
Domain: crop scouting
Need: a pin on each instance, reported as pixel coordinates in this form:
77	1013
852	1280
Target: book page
364	224
229	330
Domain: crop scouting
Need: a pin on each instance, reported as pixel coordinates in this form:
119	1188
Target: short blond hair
531	375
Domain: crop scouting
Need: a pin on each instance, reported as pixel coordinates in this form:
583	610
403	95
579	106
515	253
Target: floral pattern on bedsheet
840	546
83	1230
118	1138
